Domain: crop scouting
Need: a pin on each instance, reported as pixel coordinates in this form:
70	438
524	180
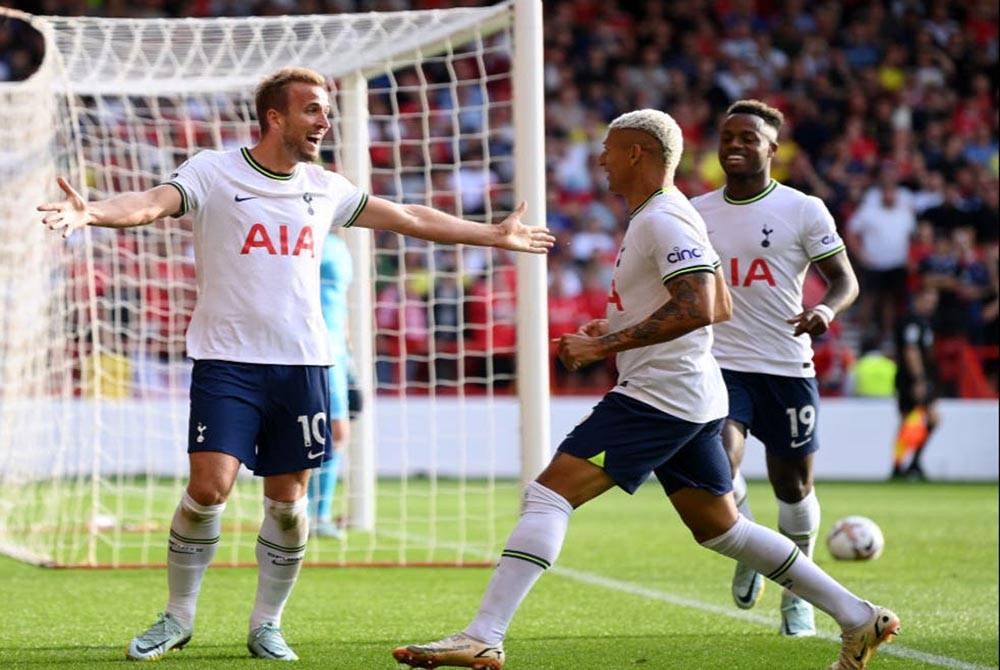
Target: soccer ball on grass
855	538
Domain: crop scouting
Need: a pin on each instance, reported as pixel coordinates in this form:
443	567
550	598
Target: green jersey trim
357	210
687	271
280	176
760	196
645	202
827	254
185	201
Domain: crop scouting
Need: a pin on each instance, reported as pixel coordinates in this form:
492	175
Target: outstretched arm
691	306
120	211
430	224
841	292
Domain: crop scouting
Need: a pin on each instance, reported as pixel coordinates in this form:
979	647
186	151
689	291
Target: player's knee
792	491
207	494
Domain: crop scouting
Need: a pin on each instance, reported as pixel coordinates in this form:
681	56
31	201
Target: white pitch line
733	613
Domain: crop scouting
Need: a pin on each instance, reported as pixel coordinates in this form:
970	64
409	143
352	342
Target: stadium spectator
881	230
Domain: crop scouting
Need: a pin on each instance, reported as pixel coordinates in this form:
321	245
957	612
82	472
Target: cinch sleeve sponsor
820	237
190	179
677	249
350	200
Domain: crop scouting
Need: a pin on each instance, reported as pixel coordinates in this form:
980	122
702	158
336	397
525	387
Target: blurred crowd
891	114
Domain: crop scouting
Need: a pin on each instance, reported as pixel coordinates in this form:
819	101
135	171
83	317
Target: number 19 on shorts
801	423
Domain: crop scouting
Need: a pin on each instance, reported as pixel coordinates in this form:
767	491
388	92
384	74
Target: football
855	538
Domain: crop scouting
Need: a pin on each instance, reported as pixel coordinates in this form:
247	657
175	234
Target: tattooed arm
692	305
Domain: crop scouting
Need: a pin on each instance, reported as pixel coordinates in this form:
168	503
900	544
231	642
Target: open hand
66	215
517	236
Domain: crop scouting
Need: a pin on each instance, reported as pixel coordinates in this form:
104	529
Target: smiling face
746	145
305	120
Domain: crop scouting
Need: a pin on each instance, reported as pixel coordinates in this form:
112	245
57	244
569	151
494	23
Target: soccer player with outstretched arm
767	236
663	417
259	393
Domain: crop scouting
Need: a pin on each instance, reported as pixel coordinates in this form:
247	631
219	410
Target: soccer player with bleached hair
259	393
664	417
767	236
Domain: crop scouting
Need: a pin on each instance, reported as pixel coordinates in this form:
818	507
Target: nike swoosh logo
249	197
143	650
799	443
276	654
317	454
747	597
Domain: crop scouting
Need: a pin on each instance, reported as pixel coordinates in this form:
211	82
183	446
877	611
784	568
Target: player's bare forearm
120	211
131	209
691	306
842	283
436	226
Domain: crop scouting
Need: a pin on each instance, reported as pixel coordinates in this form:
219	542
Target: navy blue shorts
271	417
629	439
781	412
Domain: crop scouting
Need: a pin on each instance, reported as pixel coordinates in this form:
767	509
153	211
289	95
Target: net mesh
93	412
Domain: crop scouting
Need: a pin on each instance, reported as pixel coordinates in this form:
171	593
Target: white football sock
740	495
194	537
777	558
281	546
799	522
532	547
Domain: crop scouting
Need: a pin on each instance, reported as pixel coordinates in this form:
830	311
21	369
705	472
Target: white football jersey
258	241
665	239
766	244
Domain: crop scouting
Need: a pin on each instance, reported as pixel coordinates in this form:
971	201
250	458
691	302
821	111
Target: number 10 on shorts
313	429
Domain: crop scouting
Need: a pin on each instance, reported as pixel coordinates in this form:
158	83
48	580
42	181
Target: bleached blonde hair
659	125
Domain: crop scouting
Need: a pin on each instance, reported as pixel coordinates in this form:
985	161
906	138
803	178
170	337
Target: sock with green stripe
194	537
281	546
532	547
777	558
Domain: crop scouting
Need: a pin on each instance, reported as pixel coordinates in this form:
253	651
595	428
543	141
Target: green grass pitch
630	590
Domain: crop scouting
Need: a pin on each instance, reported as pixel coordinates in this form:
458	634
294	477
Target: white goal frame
351	71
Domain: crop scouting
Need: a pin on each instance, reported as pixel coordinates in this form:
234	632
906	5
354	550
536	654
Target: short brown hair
272	93
771	116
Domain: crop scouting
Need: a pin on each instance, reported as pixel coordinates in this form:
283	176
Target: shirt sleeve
350	200
820	237
191	179
678	247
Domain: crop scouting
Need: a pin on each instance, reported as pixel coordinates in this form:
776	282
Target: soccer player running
259	393
767	235
335	277
663	417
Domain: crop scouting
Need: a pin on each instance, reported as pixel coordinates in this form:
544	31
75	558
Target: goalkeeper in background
334	278
259	388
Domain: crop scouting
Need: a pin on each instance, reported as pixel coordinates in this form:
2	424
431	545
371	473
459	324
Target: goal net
93	373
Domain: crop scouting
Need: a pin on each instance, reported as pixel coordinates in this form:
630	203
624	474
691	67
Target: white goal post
442	107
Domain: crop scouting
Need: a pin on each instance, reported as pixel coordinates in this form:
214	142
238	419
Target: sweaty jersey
258	237
766	244
334	278
665	238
